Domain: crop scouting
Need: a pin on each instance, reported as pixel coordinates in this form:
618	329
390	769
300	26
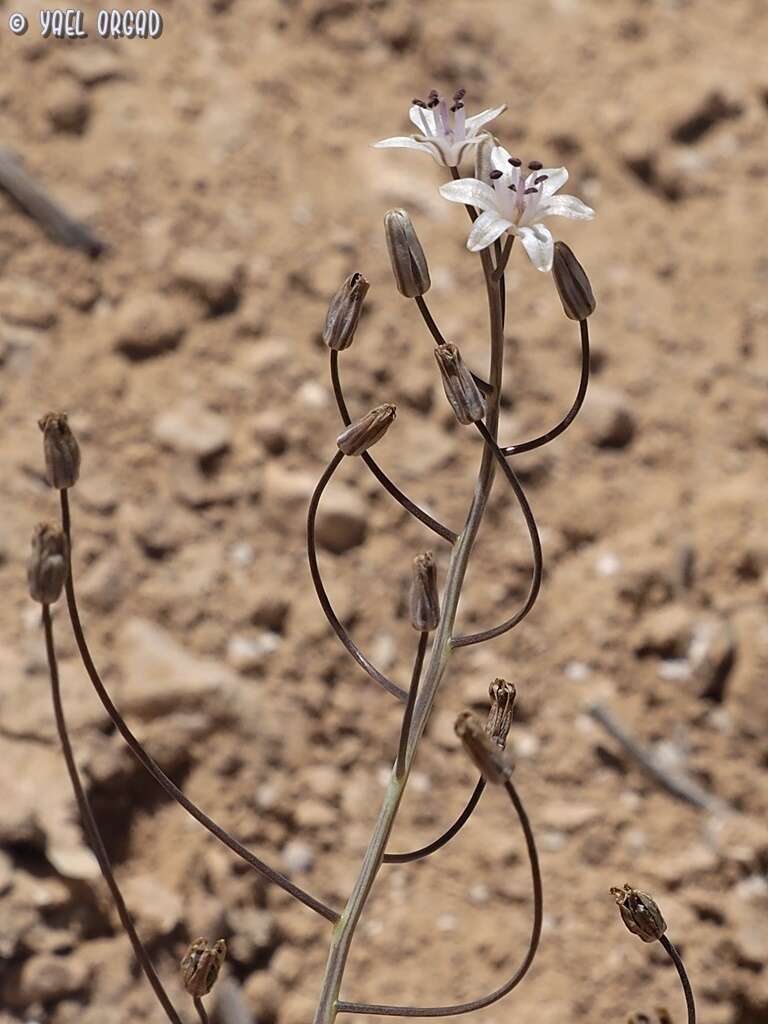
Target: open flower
444	132
517	203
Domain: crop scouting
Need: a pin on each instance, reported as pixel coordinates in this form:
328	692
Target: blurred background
227	169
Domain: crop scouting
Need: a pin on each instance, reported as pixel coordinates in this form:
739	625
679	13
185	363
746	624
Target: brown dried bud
495	765
201	965
425	602
459	385
640	913
572	284
363	433
409	264
500	713
62	452
47	565
344	313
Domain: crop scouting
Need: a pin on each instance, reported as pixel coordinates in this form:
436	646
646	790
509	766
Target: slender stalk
152	767
535	585
503	258
344	931
378	472
503	990
201	1011
92	829
322	594
446	837
570	416
406	726
684	981
429	320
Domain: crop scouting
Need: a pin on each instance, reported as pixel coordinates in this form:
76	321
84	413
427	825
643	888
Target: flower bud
409	264
483	165
495	765
47	565
201	965
363	433
344	313
640	913
572	284
459	385
62	452
500	713
425	602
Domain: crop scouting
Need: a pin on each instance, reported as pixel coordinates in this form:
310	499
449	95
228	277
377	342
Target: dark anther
457	106
530	191
535	165
541	177
459	95
516	161
495	175
513	187
419	103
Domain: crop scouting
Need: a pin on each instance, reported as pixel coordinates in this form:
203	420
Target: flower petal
556	178
567	206
471	192
473	124
402	142
487	228
500	159
419	115
537	242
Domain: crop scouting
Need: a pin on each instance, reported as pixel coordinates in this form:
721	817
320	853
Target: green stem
344	931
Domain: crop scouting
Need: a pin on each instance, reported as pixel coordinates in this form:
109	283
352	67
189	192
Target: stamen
541	177
459	95
433	99
495	175
535	165
530	191
513	187
515	161
419	103
457	106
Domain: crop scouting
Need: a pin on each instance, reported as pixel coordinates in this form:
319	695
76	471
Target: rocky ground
227	168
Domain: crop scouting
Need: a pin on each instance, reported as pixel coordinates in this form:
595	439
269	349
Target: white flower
443	133
517	204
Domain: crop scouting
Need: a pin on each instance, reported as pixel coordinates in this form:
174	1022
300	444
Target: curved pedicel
153	768
517	977
378	472
533	591
322	594
446	837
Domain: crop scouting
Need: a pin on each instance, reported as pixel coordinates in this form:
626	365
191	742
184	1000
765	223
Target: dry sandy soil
227	167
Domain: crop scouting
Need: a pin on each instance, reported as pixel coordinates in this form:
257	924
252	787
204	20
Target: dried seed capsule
495	765
409	264
572	284
62	452
363	433
500	713
47	565
344	313
459	385
640	913
201	965
425	602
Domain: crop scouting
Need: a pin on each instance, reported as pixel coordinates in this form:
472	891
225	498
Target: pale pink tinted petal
475	123
471	192
401	142
419	115
556	178
537	242
567	206
487	228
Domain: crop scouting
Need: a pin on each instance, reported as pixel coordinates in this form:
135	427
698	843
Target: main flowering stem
344	930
